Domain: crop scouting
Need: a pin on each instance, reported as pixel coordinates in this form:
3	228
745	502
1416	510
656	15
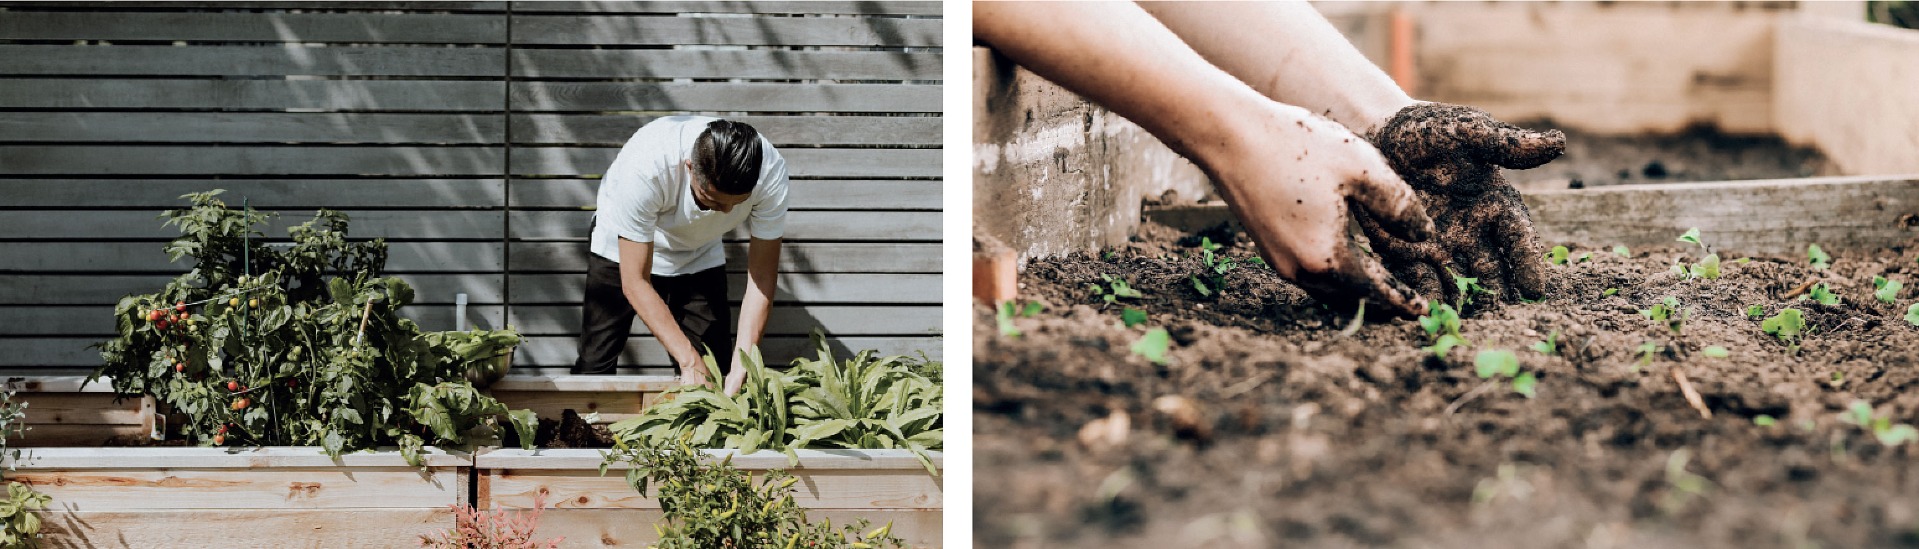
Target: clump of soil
570	431
1697	154
1268	426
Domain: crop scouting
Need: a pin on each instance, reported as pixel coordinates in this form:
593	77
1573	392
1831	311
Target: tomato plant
301	346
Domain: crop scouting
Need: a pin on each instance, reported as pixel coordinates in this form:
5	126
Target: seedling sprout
1884	289
1818	257
1154	345
1550	346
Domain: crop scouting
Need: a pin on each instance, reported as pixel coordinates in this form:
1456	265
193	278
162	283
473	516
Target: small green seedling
1558	255
1707	268
1683	486
1110	255
1912	314
1154	345
1216	268
1468	287
1785	325
1260	261
1609	292
1692	235
1764	420
1668	311
1584	257
1715	351
1646	351
1884	289
1622	250
1132	317
1441	324
1881	426
1119	289
1550	346
1008	310
1821	294
1818	257
1492	363
1755	311
1445	343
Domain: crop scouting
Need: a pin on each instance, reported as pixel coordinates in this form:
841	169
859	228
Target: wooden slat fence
471	135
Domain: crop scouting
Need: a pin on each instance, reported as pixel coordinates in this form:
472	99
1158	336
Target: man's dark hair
727	155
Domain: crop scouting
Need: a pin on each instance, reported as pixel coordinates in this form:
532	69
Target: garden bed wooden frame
599	511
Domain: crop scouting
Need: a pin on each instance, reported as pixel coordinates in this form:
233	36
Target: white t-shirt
647	196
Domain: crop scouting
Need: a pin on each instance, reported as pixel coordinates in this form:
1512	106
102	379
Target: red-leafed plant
496	529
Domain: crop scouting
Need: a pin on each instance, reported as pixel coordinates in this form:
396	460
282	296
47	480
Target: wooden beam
289	457
243	527
588	461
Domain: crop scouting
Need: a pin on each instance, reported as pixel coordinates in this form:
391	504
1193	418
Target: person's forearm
1121	58
762	278
1290	53
658	319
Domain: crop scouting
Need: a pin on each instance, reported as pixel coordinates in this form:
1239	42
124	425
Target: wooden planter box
603	511
264	497
63	412
613	397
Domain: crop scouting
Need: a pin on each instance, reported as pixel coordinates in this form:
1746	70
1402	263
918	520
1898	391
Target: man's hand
1451	155
1295	181
693	370
736	378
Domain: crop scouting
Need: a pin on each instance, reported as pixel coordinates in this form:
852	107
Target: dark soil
570	431
1698	154
1268	427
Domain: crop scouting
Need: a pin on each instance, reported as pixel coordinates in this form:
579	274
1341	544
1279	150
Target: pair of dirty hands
1427	195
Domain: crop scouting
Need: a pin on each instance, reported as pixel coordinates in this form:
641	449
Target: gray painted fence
471	135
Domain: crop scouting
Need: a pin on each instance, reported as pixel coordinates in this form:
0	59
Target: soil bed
1698	154
1268	427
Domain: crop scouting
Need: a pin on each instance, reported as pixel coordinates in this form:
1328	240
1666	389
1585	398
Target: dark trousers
697	300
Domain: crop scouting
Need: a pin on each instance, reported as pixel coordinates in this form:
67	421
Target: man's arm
1290	53
762	277
636	281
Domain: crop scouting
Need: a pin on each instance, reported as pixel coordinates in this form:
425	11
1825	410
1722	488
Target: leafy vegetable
1692	235
1785	325
1821	294
1132	317
1881	426
1119	289
1503	363
1622	250
1609	292
1885	289
1213	279
1154	345
1550	346
1818	257
1912	314
1558	255
1668	311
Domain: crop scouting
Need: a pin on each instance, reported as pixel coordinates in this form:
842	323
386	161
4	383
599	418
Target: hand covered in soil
1295	180
693	373
1451	156
735	379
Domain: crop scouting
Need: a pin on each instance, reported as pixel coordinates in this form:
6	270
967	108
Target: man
679	185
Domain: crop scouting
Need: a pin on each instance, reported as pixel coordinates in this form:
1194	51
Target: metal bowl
484	372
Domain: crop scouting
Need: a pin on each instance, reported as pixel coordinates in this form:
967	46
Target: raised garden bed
603	511
1268	426
261	497
64	410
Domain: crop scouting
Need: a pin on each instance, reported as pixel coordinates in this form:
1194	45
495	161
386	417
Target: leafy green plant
1622	250
484	353
1493	363
1785	325
1755	311
1132	317
1764	420
1009	310
1821	294
1884	289
1609	292
864	402
1668	311
297	346
709	504
1912	314
1154	345
1115	289
1818	257
1881	426
1646	351
1441	324
19	523
1468	287
1213	278
1692	236
1707	268
1558	255
1550	346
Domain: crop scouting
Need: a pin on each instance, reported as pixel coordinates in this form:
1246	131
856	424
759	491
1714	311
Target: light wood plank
84	435
256	27
585	384
394	95
28	384
817	489
800	225
561	352
587	461
612	406
146	160
791	320
97	321
614	130
363	224
277	488
108	289
634	527
567	289
806	194
253	61
253	127
720	96
292	458
749	64
843	163
571	257
283	194
303	528
858	8
151	257
80	409
372	5
624	30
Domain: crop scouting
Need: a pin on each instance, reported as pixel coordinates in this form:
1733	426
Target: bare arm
1290	53
636	281
1288	175
762	278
